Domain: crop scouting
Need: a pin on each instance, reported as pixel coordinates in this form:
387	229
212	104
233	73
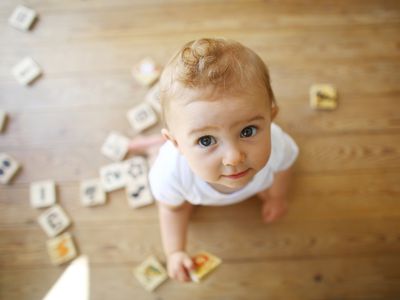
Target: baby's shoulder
170	164
276	137
284	150
166	178
276	131
166	159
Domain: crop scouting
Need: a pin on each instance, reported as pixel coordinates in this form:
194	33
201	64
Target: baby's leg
272	208
148	145
142	143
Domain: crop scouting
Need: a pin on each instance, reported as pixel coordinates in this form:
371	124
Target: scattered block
115	147
204	263
112	176
146	72
150	273
54	221
137	186
22	18
135	169
3	119
142	117
92	192
153	98
323	96
26	71
8	168
139	194
61	249
43	193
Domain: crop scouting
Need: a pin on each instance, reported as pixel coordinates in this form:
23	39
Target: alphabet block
26	71
54	221
112	176
3	119
141	117
135	169
150	273
43	193
22	18
146	72
8	168
139	194
116	146
323	96
61	249
92	192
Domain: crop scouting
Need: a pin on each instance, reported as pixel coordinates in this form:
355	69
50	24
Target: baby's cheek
210	169
199	165
263	157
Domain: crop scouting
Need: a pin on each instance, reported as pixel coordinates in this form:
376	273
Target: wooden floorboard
341	237
326	278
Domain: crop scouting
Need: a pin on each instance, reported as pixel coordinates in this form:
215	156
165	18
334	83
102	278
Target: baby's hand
178	265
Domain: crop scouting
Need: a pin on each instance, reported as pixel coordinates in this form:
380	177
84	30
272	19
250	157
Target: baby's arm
174	224
275	197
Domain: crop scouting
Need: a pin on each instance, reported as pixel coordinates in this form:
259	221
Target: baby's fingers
179	266
188	263
179	273
183	274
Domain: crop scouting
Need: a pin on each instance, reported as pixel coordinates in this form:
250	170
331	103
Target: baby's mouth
237	175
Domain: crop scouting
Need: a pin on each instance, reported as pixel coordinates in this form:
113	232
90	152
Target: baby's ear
274	111
168	136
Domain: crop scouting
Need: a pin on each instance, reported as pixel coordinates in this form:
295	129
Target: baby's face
225	141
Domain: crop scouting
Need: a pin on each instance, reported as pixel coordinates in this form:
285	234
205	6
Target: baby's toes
268	215
271	214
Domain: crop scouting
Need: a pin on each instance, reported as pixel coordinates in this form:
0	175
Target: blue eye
248	131
206	141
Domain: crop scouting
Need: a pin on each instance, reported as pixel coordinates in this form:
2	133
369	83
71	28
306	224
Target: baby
222	147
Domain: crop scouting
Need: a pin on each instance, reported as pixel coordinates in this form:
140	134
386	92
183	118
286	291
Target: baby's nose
233	156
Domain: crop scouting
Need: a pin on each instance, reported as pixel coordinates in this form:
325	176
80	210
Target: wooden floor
341	238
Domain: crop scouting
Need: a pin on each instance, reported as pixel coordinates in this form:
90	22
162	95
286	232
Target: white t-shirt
172	181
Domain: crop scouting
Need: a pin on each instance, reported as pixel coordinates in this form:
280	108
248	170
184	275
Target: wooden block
3	119
61	249
323	96
137	186
22	18
204	263
8	168
43	193
112	176
26	71
142	117
135	169
116	146
153	98
92	192
146	72
150	273
139	194
54	221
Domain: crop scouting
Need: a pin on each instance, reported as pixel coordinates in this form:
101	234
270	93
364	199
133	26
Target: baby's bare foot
273	208
147	145
142	144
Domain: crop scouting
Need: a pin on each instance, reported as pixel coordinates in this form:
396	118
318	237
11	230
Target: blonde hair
222	64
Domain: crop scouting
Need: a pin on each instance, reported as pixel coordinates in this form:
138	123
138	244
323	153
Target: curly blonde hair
222	64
